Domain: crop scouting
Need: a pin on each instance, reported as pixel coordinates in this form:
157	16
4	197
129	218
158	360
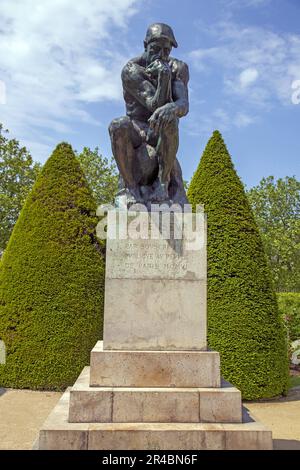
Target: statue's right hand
158	67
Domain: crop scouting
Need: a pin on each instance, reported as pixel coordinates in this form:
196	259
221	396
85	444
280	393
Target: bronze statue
145	141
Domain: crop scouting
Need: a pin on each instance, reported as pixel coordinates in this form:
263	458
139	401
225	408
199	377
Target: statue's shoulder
132	65
180	70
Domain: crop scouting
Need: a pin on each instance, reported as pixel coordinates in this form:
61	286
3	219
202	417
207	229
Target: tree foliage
18	172
289	308
100	173
243	319
276	205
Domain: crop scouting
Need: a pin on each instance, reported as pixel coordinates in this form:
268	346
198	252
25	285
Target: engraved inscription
127	259
140	258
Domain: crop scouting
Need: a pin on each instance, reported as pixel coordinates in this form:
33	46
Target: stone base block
155	284
154	368
58	434
153	314
152	405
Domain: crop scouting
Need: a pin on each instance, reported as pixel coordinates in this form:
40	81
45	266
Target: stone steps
57	433
152	400
153	405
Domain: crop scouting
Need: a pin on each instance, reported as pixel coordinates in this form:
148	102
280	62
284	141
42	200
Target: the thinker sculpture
145	141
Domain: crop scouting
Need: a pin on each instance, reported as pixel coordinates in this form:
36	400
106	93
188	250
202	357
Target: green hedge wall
243	320
52	280
289	308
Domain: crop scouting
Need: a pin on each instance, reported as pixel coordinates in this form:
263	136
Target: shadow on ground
2	391
293	395
286	444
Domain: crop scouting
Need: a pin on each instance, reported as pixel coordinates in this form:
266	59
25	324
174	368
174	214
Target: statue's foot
134	196
127	197
160	194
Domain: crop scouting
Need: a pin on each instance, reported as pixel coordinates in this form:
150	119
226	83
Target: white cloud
205	124
245	3
243	120
296	92
38	148
247	77
257	64
219	118
201	58
2	92
56	56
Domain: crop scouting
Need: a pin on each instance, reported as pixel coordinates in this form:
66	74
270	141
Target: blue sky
61	60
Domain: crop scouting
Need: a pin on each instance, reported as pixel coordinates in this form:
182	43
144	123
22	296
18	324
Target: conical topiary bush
52	280
243	319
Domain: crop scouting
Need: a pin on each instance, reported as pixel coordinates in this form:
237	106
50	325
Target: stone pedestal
155	289
152	383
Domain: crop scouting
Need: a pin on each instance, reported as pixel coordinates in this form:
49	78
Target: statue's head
159	41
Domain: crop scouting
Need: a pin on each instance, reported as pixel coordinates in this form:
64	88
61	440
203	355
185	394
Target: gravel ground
22	412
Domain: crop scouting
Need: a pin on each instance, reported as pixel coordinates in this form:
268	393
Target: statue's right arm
138	84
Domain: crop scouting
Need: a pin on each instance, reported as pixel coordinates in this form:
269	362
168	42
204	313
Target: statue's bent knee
119	124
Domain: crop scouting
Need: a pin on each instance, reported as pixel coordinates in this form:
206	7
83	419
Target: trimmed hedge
243	320
52	280
289	308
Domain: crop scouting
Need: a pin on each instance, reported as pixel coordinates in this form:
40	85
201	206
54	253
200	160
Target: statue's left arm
180	89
